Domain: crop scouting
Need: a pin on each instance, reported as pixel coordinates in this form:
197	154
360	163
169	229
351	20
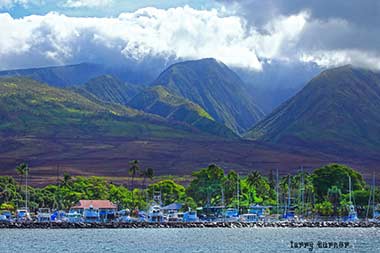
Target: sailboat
371	202
289	210
22	214
232	214
352	214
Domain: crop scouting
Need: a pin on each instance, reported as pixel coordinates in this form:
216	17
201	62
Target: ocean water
188	240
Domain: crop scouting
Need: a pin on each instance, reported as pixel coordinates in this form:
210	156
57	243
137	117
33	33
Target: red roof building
96	204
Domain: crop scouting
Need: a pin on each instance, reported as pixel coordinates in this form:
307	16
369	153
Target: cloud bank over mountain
335	32
230	33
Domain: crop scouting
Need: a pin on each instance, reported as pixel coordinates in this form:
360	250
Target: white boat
74	217
171	216
23	215
44	215
255	213
352	214
3	218
155	214
249	217
376	214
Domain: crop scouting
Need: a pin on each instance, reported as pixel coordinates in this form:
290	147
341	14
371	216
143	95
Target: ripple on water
184	240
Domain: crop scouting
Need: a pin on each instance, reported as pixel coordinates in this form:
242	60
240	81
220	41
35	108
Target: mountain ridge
338	108
28	107
216	88
158	100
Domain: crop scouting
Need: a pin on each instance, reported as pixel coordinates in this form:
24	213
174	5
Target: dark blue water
186	240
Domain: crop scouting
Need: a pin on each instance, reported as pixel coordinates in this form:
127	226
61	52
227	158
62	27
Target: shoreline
136	225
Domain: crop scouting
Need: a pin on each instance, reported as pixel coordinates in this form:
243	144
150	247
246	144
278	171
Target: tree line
324	191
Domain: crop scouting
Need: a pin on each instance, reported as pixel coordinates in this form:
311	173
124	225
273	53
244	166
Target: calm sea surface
187	240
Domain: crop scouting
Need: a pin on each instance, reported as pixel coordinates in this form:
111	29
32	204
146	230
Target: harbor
221	201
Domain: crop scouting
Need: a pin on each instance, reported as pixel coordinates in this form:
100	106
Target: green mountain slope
158	100
59	76
338	108
30	108
214	87
110	89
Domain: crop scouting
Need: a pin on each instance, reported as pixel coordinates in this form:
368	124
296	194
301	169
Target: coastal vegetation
324	191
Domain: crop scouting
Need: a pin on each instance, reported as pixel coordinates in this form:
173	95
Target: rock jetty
64	225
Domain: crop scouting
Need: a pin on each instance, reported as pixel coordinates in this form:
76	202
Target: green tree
259	183
335	174
325	208
206	186
230	187
170	191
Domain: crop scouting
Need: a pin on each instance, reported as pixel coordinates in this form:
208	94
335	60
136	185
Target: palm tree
334	194
23	170
66	179
148	173
253	179
133	170
6	192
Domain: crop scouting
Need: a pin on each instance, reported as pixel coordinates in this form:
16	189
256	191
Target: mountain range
200	108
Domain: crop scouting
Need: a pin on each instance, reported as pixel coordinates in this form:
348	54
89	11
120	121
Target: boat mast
26	187
349	187
277	190
302	191
237	192
289	192
373	195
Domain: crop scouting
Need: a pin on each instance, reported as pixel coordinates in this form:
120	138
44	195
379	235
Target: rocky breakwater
280	224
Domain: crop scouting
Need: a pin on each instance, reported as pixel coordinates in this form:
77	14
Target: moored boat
190	216
74	217
352	214
91	214
155	214
23	215
231	215
44	215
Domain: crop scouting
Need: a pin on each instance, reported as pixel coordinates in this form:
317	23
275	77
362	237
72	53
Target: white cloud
182	33
7	4
335	58
179	33
87	3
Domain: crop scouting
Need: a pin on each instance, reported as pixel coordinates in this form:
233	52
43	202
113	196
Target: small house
105	208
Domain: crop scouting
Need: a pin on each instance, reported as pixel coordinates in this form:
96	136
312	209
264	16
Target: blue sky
104	8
